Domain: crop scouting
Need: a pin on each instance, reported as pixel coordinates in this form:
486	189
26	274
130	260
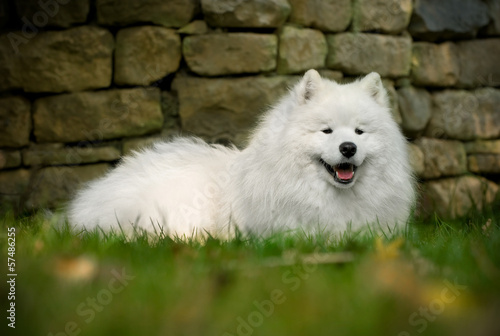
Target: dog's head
347	131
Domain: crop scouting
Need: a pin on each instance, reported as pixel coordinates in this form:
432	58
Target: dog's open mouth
342	173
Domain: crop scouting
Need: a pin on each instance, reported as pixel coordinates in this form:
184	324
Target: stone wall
85	82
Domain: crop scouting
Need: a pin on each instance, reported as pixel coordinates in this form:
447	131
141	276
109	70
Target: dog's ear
373	85
309	86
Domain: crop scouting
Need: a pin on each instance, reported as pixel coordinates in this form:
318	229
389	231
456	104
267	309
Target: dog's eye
327	130
359	131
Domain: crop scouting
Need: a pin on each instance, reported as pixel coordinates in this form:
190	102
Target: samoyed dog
328	156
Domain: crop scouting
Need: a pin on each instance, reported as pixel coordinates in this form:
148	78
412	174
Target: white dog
327	156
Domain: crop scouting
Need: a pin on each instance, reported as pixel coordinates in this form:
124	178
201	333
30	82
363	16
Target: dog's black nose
347	149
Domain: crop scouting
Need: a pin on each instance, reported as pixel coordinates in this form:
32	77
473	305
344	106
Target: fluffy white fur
187	186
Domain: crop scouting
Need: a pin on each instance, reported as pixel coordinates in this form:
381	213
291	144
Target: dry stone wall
85	82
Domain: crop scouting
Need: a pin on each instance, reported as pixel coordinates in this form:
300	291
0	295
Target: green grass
395	285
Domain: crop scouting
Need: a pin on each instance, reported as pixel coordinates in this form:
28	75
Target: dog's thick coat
327	156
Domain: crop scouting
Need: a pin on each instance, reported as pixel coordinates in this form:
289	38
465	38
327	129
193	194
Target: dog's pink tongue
345	174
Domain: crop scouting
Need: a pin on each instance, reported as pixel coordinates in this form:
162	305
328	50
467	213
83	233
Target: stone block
415	106
167	13
479	63
494	11
223	110
447	19
301	49
456	197
52	186
146	54
333	75
233	53
393	100
137	144
465	115
9	61
357	54
10	158
15	121
53	13
95	116
170	110
13	187
58	154
75	59
246	14
325	15
483	147
391	16
435	64
442	157
197	27
484	163
417	159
